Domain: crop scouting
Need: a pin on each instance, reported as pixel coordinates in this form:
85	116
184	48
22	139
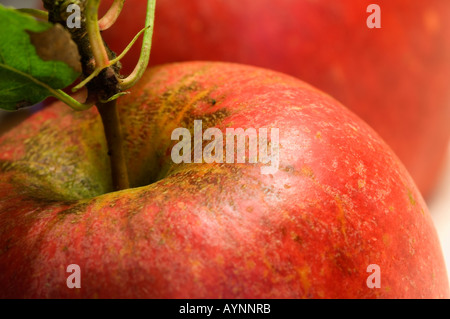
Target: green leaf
36	59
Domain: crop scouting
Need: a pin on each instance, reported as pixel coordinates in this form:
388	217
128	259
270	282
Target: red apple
395	78
339	202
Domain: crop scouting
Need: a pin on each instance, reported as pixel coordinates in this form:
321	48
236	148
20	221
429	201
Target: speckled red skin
340	201
395	78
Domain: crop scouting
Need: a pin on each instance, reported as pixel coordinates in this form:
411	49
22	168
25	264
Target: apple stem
97	71
111	16
95	38
38	14
114	137
142	64
104	86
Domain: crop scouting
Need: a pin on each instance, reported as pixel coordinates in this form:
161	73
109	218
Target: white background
439	204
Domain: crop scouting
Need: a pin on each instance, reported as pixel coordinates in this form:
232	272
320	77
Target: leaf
55	44
29	72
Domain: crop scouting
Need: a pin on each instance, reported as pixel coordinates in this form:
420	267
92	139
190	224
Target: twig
111	16
142	64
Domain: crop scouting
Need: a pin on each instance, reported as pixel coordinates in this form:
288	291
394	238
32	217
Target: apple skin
340	201
395	78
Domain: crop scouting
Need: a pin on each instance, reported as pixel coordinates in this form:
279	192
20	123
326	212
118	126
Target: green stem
59	94
114	138
140	68
95	38
70	101
111	62
39	14
111	16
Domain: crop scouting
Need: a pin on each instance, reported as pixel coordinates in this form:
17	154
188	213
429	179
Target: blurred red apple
339	202
396	78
